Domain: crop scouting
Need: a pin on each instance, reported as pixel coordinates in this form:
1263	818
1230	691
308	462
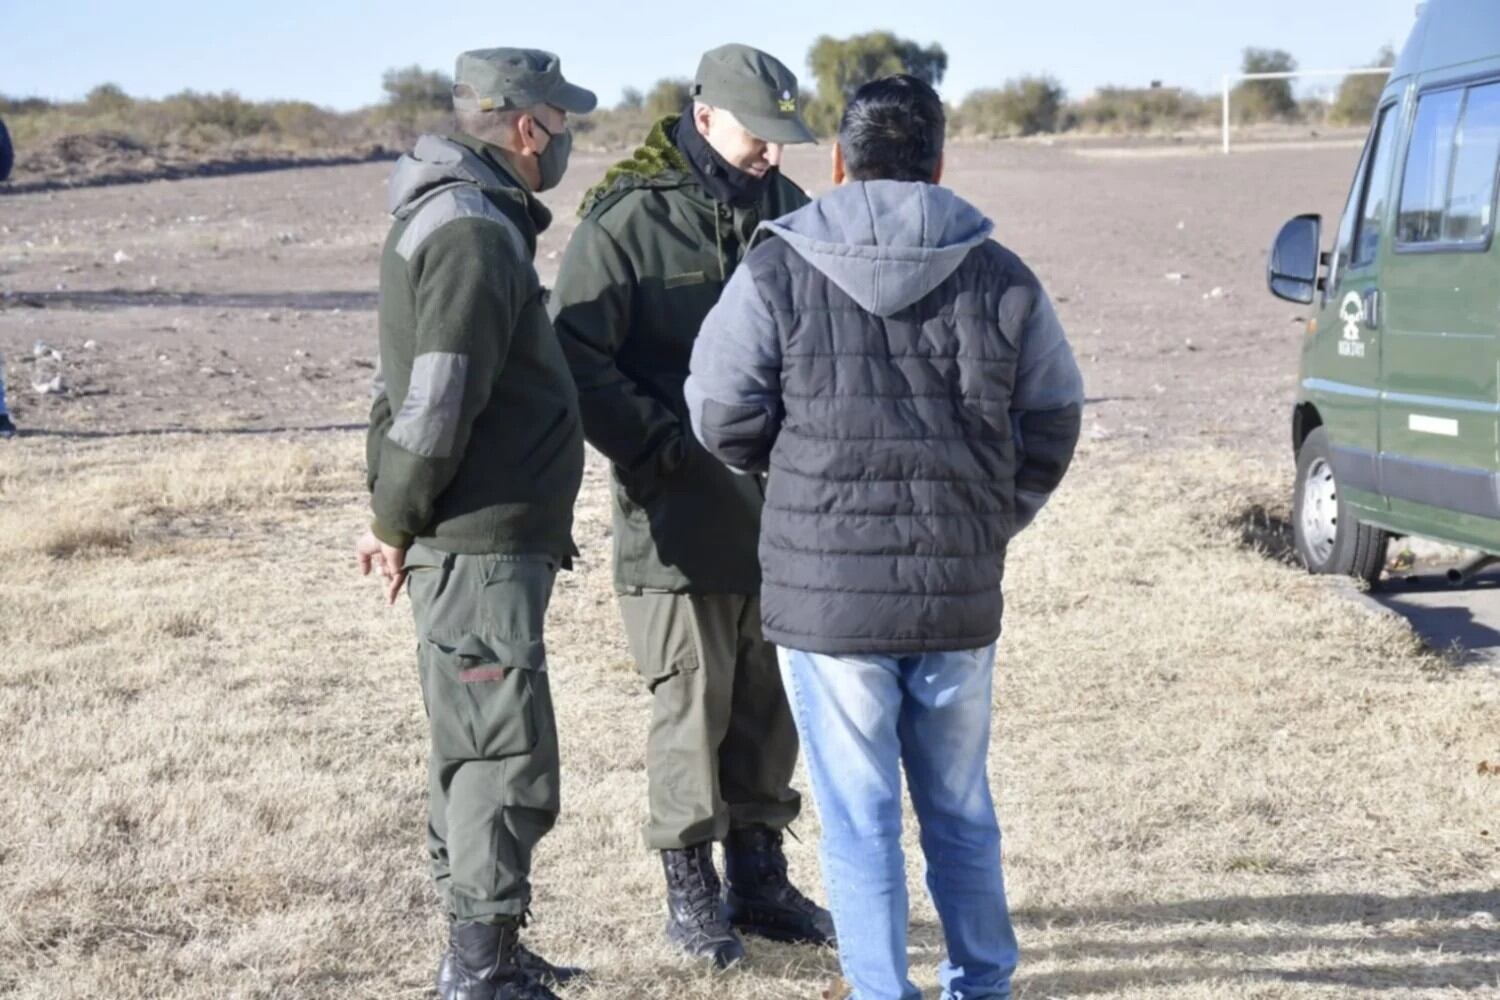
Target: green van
1396	426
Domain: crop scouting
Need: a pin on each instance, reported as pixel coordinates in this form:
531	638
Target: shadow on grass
1395	980
1307	909
1473	945
1267	532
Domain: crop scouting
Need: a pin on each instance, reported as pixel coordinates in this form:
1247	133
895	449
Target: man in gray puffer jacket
905	380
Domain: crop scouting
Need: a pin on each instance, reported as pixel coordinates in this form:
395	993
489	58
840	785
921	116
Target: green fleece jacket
646	264
475	442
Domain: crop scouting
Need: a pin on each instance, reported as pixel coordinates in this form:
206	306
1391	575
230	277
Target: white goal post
1230	79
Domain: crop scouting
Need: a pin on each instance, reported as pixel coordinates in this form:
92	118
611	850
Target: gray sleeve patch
462	202
428	420
1047	375
1016	305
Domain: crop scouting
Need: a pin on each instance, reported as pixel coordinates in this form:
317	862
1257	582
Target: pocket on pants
662	634
479	693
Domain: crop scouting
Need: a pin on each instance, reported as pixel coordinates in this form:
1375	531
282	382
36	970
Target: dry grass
1218	778
77	535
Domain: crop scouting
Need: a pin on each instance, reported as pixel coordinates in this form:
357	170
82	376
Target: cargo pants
722	744
493	761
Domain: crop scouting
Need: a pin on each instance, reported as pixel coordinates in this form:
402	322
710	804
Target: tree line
1027	105
418	99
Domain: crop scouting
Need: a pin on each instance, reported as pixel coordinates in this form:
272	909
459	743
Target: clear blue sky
332	52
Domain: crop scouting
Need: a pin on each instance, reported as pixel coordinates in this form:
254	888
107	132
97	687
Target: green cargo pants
492	766
722	745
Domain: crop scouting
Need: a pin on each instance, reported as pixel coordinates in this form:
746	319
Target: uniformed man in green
658	239
475	455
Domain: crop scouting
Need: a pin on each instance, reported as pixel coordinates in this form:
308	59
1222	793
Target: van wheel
1329	538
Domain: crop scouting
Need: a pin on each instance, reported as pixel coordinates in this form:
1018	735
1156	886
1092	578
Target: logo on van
1352	312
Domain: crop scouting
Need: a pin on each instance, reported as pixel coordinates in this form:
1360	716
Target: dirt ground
1217	777
247	302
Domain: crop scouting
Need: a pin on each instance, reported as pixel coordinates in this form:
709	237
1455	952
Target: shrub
108	99
1026	106
224	114
843	65
414	89
668	97
1126	109
1358	95
1265	100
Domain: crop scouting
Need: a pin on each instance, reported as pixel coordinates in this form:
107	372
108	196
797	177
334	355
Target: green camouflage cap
757	88
502	79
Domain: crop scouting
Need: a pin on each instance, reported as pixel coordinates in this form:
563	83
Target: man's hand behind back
391	561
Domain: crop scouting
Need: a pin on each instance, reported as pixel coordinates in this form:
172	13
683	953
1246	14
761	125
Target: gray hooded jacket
907	383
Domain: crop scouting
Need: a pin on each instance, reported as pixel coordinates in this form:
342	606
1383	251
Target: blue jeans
861	718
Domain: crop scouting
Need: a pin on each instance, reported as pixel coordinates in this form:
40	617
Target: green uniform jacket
475	443
646	264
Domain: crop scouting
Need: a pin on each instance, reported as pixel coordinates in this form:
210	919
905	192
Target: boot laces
771	871
702	890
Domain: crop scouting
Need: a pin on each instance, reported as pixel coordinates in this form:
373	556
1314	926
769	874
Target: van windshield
1371	219
1344	247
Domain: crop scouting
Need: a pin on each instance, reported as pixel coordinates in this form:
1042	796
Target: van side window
1448	196
1372	216
1471	203
1429	163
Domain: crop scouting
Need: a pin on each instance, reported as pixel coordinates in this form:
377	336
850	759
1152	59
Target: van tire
1329	538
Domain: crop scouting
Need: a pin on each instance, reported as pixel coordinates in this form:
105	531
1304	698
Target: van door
1342	371
1439	306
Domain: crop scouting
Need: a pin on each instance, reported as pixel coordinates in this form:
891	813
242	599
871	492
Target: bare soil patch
247	302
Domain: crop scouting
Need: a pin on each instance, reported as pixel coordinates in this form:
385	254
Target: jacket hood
657	161
885	243
440	162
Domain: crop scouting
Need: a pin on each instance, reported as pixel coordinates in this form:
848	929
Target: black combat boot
695	911
528	961
543	971
482	964
761	900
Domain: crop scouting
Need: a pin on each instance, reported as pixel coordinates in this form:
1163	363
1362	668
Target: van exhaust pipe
1460	575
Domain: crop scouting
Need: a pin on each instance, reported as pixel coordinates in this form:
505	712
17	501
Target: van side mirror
1292	271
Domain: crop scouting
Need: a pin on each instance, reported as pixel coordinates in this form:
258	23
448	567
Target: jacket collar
504	178
723	181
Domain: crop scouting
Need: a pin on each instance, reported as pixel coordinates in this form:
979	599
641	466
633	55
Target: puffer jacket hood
887	244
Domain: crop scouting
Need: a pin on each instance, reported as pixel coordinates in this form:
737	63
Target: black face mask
552	163
722	180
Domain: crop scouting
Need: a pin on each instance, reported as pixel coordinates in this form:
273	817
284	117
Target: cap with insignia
757	88
504	79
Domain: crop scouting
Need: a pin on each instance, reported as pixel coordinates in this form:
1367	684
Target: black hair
892	130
